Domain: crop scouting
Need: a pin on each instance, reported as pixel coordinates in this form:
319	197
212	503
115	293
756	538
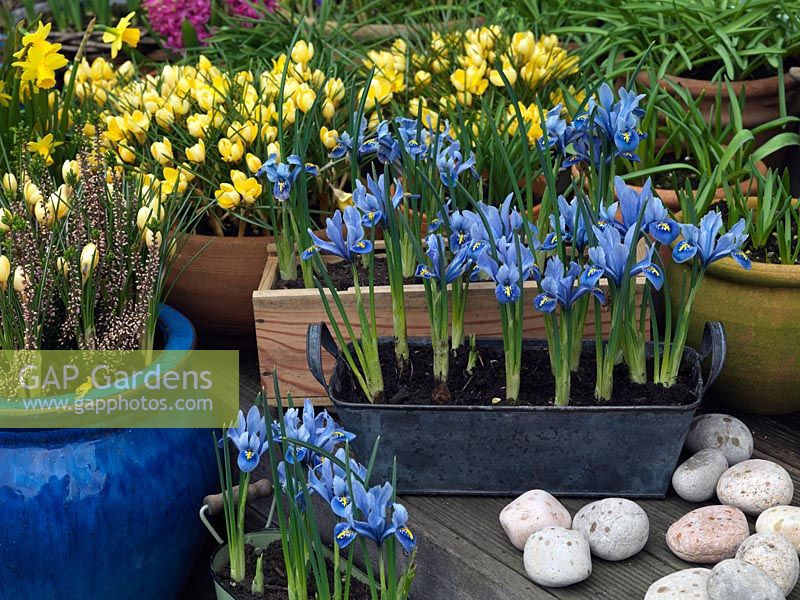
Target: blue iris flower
457	266
383	144
344	246
315	430
329	480
502	222
571	225
505	269
702	241
373	506
451	164
655	218
344	146
609	258
414	138
283	175
606	120
561	287
285	478
371	200
249	436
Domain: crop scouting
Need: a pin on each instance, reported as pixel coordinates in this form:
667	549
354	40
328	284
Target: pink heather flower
245	8
167	16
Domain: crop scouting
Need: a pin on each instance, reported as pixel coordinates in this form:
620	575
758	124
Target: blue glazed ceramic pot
94	514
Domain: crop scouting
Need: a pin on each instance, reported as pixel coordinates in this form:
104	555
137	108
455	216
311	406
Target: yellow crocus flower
230	150
197	153
248	187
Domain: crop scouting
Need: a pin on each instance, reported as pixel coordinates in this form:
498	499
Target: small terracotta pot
214	279
761	96
759	310
761	105
670	198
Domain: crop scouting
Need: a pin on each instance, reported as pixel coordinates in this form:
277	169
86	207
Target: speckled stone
708	535
784	520
755	485
721	432
616	528
775	555
689	584
557	557
696	479
531	512
737	580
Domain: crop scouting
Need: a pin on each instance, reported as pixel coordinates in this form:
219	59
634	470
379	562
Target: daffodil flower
122	33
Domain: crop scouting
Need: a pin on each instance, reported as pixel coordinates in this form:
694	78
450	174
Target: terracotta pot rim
232	240
760	274
766	86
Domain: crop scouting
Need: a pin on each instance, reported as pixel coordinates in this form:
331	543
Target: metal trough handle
714	344
317	338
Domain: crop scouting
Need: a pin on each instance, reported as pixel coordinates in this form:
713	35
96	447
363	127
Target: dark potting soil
275	577
770	252
341	274
676	180
486	385
708	71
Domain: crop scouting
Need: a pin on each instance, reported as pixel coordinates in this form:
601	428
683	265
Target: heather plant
83	263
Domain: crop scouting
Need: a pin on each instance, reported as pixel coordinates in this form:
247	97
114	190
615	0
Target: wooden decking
464	555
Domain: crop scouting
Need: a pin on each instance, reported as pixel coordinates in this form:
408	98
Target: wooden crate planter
282	317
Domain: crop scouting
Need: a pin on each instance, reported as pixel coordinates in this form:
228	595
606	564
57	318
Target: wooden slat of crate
282	318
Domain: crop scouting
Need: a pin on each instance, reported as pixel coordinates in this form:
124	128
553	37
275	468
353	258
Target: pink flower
167	16
245	8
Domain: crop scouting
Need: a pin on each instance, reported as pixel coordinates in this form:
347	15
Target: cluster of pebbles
558	548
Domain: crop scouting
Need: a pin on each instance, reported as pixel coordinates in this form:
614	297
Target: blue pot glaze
104	514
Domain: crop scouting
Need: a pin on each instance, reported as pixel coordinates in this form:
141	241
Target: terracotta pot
761	96
759	310
214	282
761	102
670	198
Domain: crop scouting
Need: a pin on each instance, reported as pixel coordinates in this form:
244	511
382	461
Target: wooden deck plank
464	554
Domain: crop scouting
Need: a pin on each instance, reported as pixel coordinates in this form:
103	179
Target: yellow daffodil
34	38
197	153
122	33
5	99
40	64
230	151
44	147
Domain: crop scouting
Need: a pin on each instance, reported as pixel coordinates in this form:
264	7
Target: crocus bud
32	194
197	153
5	219
44	215
328	109
21	281
5	270
70	170
302	52
253	162
152	238
89	260
10	183
62	266
146	214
